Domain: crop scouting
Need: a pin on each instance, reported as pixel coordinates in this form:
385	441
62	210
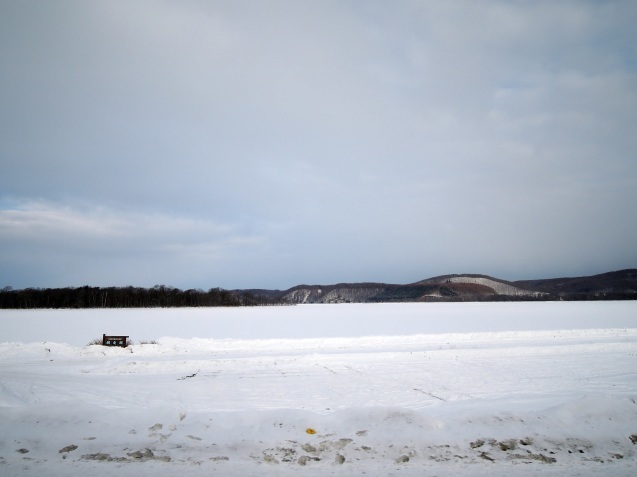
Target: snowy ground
403	389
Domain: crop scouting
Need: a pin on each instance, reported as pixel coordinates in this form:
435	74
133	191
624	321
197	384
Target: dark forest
159	296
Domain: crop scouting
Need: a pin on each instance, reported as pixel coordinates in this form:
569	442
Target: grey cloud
142	244
336	140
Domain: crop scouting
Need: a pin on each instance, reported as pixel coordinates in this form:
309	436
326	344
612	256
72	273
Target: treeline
160	296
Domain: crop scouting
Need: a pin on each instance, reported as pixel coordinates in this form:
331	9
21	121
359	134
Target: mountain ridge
620	284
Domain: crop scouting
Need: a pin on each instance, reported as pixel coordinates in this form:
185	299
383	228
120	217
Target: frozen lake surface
389	389
78	327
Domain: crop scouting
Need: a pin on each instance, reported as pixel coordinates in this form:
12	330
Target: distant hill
619	285
611	285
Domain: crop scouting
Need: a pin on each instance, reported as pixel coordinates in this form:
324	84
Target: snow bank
488	401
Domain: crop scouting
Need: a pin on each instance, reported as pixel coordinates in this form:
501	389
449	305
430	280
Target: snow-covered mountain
471	287
445	288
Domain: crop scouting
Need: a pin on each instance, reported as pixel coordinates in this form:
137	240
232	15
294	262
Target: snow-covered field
378	390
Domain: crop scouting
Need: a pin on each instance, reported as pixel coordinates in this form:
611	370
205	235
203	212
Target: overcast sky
266	144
